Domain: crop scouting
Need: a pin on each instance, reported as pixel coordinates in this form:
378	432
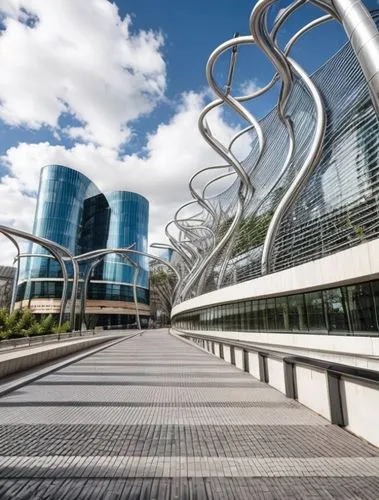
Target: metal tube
64	297
135	277
17	273
83	298
54	249
364	38
74	292
309	163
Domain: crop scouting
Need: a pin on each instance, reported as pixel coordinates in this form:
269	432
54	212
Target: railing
348	396
7	344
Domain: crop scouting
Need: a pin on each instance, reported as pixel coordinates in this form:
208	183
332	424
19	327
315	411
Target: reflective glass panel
297	314
335	305
315	311
361	308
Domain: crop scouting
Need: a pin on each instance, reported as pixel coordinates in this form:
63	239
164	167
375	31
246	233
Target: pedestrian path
155	417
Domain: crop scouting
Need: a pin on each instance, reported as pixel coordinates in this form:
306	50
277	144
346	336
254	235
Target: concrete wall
253	364
361	402
238	355
227	356
18	361
312	390
276	374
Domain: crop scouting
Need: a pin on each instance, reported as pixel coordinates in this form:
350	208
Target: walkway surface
155	417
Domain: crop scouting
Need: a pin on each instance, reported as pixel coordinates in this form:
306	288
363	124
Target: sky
114	90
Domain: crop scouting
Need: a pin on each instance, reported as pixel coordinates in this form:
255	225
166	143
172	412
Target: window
271	320
254	315
337	317
262	315
361	307
236	317
242	316
315	311
351	309
282	317
297	315
248	312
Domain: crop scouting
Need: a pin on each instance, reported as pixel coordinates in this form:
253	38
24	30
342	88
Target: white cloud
17	210
79	58
173	153
249	87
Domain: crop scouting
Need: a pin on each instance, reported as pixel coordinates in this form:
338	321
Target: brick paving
155	417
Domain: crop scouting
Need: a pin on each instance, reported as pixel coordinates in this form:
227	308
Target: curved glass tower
73	212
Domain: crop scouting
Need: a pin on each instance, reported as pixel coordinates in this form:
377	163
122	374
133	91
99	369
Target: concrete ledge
353	265
15	362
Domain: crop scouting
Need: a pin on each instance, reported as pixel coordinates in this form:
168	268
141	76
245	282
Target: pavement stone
155	417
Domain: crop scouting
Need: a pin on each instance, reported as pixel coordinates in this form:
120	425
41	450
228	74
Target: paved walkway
154	417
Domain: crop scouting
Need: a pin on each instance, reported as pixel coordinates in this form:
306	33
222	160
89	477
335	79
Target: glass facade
73	212
345	310
129	211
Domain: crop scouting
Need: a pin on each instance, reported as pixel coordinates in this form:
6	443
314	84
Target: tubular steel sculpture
17	274
59	253
96	254
99	255
200	256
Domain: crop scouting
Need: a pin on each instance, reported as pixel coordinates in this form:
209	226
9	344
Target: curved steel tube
55	250
363	35
245	191
17	274
177	246
313	155
234	103
83	298
304	173
102	253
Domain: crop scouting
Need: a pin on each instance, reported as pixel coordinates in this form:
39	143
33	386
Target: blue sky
115	91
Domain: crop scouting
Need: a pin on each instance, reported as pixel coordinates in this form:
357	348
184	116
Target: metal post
83	298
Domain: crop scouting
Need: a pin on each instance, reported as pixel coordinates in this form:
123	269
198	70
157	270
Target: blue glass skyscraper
73	212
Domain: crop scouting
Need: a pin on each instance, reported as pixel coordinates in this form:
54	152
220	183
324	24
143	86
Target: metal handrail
352	372
19	342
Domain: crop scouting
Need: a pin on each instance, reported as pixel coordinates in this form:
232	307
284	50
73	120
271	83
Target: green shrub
4	315
12	325
65	327
34	330
22	322
26	321
47	325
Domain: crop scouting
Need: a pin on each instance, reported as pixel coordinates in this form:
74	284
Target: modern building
72	212
291	255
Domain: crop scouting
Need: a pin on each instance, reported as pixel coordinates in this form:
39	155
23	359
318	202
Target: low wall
19	361
345	395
